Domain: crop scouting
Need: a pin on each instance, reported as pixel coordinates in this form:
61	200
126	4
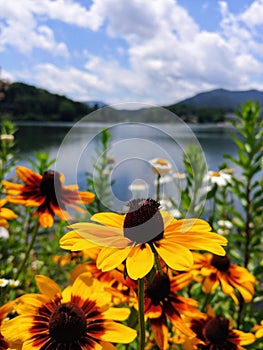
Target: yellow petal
73	241
186	225
245	289
117	314
109	219
87	287
140	261
66	294
116	333
176	256
245	338
7	214
209	241
47	286
102	235
17	329
110	258
30	303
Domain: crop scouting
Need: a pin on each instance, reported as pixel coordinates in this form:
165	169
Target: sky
157	52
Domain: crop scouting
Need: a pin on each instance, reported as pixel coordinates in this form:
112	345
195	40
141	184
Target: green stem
158	189
156	260
206	301
141	313
29	248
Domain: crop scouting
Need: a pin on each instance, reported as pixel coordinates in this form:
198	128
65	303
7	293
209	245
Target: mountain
223	98
213	106
29	103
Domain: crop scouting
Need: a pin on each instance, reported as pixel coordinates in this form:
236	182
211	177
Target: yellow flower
47	193
137	237
5	214
217	270
78	318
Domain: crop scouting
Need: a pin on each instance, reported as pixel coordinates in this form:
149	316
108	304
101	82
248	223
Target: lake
132	145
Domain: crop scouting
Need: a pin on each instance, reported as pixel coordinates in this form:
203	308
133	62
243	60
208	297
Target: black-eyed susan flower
47	193
217	333
80	317
162	302
5	214
137	237
218	270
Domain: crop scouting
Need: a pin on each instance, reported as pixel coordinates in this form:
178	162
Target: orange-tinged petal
176	256
110	258
245	289
210	284
11	186
46	219
47	286
140	261
241	274
87	197
28	176
160	331
109	219
4	223
116	333
226	287
106	346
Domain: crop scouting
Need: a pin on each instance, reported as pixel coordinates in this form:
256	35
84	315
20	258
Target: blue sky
157	52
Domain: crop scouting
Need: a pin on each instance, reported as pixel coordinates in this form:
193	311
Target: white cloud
21	30
169	56
253	16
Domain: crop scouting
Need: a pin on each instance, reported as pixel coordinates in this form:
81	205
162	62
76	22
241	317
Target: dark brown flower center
50	184
158	289
216	330
67	323
221	263
143	222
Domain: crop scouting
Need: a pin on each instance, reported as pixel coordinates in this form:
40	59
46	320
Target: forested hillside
26	102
